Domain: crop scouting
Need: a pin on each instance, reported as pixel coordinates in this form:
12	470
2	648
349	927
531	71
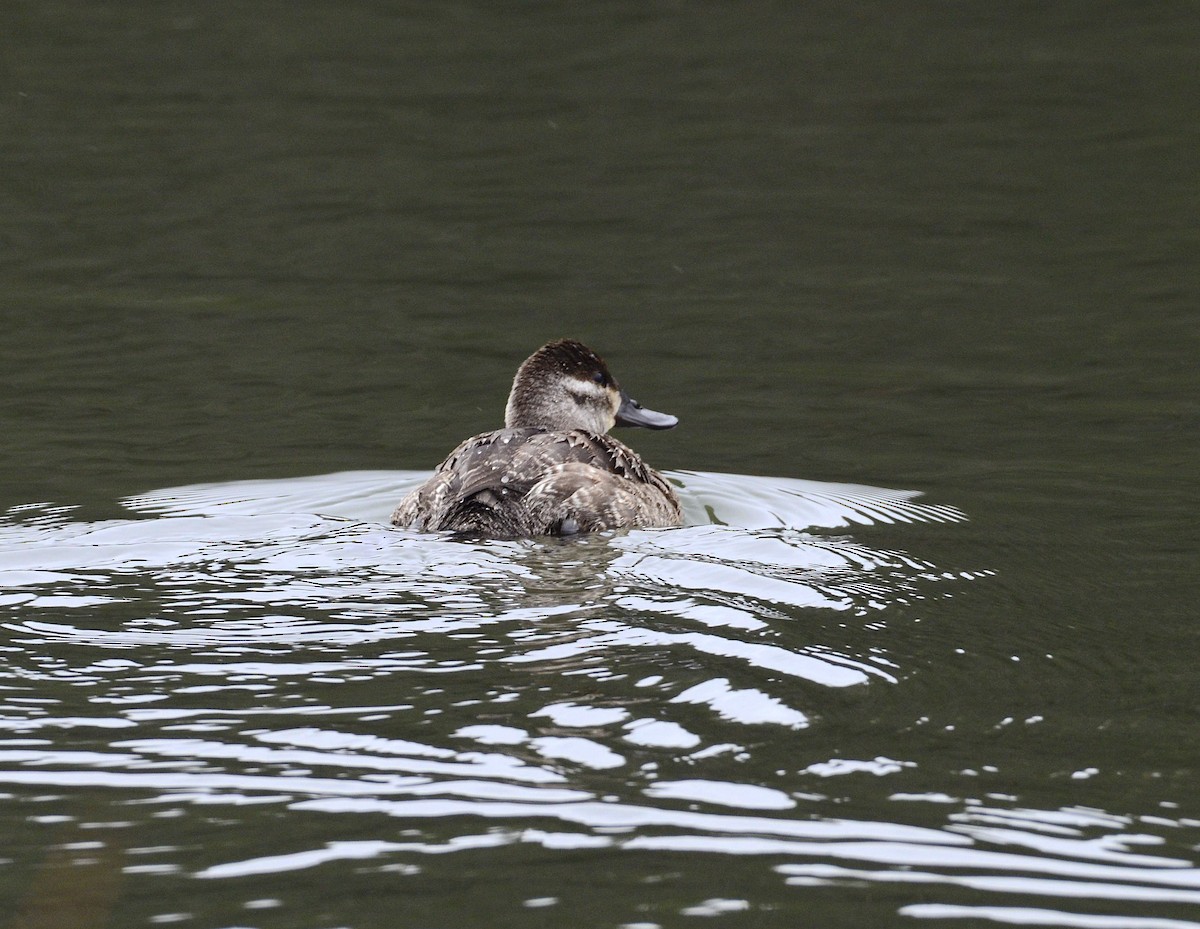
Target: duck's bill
632	413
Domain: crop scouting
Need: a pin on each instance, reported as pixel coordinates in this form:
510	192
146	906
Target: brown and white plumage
553	469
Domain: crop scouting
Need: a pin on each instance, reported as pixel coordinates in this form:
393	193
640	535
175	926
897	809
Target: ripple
272	644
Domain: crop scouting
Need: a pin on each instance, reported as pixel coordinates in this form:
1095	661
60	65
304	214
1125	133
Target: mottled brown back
528	481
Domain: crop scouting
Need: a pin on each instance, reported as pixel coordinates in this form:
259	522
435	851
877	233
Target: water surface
264	267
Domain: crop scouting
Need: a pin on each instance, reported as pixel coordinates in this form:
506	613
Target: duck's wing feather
472	466
527	481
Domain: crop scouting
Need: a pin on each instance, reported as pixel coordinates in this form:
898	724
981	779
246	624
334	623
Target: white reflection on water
1030	916
273	642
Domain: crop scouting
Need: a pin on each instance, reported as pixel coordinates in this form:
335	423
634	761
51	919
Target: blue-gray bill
632	413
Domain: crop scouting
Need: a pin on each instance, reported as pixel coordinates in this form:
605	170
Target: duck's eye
600	378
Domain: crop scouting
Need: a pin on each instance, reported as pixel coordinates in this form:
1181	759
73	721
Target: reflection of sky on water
263	643
244	569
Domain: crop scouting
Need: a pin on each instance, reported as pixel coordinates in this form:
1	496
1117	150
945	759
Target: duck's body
552	470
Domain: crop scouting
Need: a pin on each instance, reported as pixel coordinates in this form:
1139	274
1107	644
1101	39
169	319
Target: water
263	268
259	685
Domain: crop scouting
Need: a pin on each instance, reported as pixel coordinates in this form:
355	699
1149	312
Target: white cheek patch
588	391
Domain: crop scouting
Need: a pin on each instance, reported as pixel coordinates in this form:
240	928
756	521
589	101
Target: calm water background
946	247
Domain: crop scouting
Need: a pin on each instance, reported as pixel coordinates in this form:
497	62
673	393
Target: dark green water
946	247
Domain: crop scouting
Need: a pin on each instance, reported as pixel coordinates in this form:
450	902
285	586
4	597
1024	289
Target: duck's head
565	385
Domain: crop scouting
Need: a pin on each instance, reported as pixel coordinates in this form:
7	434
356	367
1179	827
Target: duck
553	470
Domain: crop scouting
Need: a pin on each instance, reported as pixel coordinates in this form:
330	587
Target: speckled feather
528	481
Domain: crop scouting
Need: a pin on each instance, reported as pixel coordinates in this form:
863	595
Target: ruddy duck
552	469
